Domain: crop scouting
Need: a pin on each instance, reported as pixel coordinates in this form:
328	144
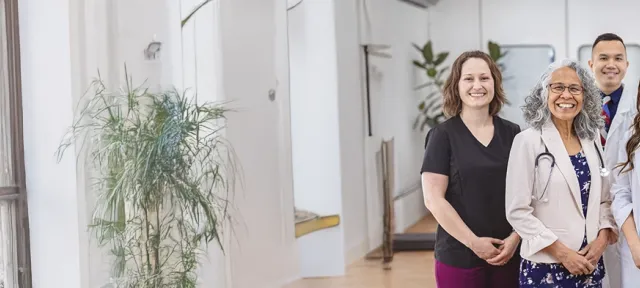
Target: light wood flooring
408	269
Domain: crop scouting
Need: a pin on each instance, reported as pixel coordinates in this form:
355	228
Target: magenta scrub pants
480	277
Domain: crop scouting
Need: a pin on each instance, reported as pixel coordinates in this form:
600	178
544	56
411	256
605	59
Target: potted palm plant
163	171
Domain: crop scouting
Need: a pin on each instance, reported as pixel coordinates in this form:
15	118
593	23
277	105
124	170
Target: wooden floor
408	270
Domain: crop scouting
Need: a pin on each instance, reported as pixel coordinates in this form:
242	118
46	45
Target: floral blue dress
534	274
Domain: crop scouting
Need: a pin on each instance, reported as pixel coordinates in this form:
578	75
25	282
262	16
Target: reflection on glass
523	66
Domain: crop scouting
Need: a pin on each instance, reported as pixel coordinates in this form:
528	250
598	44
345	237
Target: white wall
196	65
53	196
91	40
216	72
410	26
313	73
494	22
394	106
460	25
263	243
351	129
63	47
314	108
586	23
316	144
103	41
454	26
389	22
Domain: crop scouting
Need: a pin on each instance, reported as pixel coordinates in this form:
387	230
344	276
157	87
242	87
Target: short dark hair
608	37
452	102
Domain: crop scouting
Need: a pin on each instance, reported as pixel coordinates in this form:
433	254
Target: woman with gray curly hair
557	192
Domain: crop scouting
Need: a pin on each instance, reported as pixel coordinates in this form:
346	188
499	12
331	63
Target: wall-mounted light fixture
153	49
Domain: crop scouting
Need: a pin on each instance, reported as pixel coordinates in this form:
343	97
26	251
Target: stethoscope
604	172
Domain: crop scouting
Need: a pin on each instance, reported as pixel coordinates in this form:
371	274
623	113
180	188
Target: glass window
523	65
6	165
14	254
633	55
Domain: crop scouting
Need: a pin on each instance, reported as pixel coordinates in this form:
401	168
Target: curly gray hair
589	120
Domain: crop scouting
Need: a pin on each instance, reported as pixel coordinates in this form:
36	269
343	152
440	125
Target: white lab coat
620	268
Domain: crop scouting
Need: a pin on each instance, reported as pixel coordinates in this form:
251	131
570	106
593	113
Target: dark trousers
480	277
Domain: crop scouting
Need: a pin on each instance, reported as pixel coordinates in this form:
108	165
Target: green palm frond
186	19
164	177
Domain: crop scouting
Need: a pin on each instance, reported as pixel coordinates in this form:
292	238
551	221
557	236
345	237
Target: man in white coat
609	65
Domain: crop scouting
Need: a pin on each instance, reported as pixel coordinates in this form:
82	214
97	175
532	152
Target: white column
315	133
250	33
47	109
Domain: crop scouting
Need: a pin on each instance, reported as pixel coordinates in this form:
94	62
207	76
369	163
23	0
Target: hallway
408	270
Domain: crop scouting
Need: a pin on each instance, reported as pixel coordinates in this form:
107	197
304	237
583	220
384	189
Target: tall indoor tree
163	178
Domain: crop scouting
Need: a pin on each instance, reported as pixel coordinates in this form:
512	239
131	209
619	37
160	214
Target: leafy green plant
430	106
164	173
496	53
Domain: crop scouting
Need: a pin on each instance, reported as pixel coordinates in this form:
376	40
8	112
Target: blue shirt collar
615	95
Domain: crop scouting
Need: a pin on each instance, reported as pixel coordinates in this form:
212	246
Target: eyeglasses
573	89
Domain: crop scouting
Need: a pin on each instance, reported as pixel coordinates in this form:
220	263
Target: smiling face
476	86
609	64
566	94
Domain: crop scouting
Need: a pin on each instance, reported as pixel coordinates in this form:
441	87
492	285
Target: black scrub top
476	187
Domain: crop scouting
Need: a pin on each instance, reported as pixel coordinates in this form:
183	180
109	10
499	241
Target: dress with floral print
534	274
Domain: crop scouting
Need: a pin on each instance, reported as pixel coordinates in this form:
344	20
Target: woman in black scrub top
463	180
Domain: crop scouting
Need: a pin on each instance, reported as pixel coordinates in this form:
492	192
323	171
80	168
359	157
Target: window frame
552	57
507	75
19	191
